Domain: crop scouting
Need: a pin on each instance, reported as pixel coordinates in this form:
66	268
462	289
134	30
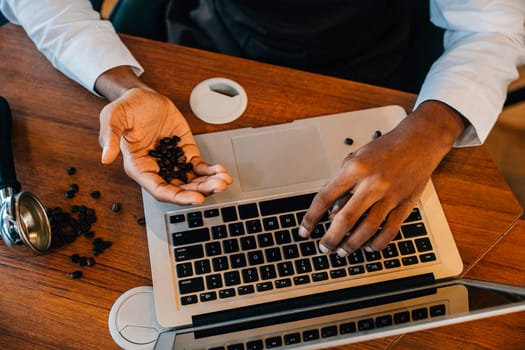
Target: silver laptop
232	273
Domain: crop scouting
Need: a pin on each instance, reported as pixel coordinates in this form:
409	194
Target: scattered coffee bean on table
171	160
95	194
141	220
71	170
115	207
75	274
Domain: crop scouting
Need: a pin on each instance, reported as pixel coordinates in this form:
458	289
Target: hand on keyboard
385	178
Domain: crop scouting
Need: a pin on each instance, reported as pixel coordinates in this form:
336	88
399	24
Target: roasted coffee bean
69	194
73	188
83	261
171	160
71	170
95	194
349	141
115	206
377	134
90	261
75	274
141	220
75	258
74	209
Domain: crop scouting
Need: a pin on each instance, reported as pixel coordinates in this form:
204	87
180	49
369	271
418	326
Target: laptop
232	273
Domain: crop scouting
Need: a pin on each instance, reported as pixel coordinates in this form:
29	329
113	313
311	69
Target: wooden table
56	126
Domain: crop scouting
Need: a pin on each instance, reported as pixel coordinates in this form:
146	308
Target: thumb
108	139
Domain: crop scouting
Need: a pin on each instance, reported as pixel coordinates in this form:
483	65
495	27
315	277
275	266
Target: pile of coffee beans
171	160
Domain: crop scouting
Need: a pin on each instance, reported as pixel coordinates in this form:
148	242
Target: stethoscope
24	225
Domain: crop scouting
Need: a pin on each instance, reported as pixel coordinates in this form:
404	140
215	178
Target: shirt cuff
100	52
466	98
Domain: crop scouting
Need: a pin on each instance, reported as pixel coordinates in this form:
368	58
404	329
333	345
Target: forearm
115	82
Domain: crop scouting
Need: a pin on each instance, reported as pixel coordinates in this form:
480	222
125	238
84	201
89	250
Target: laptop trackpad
280	157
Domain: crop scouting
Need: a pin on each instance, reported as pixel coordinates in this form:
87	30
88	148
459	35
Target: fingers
336	189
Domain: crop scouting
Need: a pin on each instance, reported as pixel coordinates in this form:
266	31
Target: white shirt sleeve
72	37
484	44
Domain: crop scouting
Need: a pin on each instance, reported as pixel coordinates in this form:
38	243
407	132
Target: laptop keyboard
223	252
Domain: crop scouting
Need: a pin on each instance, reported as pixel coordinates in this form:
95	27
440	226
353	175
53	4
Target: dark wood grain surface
56	126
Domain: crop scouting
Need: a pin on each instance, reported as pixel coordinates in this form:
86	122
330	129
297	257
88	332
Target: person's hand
134	124
383	179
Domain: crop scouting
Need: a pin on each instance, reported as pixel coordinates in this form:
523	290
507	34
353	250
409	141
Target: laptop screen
353	320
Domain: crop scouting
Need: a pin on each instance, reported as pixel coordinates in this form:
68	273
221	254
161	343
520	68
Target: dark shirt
360	40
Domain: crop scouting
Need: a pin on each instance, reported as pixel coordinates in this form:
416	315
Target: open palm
134	124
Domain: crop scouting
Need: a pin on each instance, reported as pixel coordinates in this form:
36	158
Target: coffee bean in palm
171	160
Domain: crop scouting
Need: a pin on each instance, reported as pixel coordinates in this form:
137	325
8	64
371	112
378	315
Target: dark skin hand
386	178
134	122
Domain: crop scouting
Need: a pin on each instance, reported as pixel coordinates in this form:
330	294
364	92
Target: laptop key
248	211
338	273
232	278
255	345
284	205
409	260
219	231
427	257
437	310
265	240
202	267
308	248
423	244
273	254
238	346
191	236
264	286
402	317
255	257
253	226
304	279
226	293
329	331
291	251
319	276
310	335
393	263
273	342
189	299
250	275
267	272
373	267
243	290
285	269
283	283
236	229
320	262
208	296
229	214
184	270
292	338
406	247
189	253
211	213
356	270
413	230
191	285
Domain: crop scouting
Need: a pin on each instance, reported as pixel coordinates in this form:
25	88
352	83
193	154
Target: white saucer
132	320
